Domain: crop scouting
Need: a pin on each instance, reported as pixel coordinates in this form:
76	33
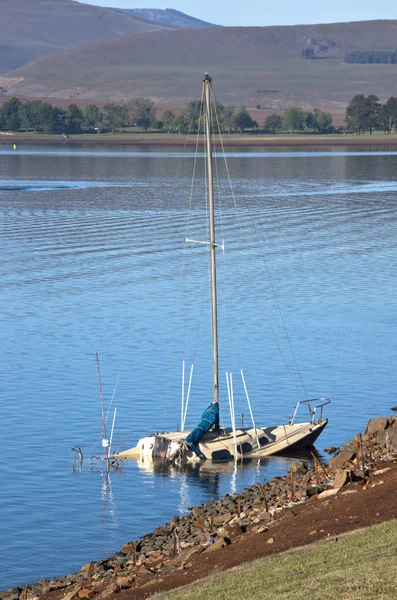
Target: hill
251	65
31	29
168	16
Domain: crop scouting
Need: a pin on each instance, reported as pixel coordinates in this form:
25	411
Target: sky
259	12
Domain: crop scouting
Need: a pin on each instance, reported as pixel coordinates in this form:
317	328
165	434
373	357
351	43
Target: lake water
92	252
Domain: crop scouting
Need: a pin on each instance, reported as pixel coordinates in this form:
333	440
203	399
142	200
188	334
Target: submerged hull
224	445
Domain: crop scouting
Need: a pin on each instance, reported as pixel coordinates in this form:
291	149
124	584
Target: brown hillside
30	29
251	65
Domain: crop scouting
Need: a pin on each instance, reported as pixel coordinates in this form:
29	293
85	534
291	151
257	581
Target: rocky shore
184	543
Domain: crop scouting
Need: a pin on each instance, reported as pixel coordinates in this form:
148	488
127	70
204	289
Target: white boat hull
221	445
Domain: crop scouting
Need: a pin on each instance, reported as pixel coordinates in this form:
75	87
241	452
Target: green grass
359	566
134	135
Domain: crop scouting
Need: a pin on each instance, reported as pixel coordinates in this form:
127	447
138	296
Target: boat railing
319	404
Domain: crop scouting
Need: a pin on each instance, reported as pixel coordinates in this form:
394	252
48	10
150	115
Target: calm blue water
92	252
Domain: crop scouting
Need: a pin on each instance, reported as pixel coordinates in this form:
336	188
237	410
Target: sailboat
210	441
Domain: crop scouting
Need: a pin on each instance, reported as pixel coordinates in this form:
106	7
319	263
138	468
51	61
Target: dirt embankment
355	490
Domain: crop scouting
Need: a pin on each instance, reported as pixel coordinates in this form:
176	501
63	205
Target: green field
356	566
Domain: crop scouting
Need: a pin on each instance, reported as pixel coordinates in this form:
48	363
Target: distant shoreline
180	140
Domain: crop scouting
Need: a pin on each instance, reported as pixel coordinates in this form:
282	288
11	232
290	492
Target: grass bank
174	139
356	566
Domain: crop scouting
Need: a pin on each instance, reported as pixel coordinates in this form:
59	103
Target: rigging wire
191	125
256	280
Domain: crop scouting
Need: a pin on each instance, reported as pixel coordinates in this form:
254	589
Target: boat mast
207	96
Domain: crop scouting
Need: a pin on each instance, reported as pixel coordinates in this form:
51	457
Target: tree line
369	57
39	116
366	113
35	115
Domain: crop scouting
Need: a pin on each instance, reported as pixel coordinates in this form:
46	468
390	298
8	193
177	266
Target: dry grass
249	65
357	566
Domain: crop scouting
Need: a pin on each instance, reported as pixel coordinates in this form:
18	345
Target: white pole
111	434
188	396
233	417
228	395
249	406
183	393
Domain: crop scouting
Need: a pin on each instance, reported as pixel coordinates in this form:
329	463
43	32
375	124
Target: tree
324	120
388	115
310	119
169	120
181	123
293	119
243	120
142	112
273	123
363	113
29	113
228	117
74	119
11	116
52	118
219	115
115	116
372	112
308	53
355	113
192	114
92	116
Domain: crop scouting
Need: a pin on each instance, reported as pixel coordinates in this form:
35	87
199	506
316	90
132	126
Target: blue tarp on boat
209	419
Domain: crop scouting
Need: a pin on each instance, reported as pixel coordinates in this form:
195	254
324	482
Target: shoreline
266	518
164	140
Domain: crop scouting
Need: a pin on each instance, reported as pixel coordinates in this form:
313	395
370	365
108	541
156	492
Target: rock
299	467
330	450
221	543
313	532
222	519
128	548
375	425
394	408
73	592
200	523
264	516
346	492
348	447
328	494
186	554
341	478
12	594
270	541
312	490
393	420
339	460
123	582
300	494
261	529
235	530
381	471
388	439
107	592
85	593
